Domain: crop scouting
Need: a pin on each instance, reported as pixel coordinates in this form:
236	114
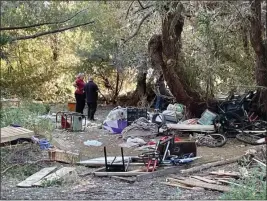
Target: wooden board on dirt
10	133
63	156
61	173
196	183
27	183
122	174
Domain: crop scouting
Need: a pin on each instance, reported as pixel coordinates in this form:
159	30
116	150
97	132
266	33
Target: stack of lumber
218	181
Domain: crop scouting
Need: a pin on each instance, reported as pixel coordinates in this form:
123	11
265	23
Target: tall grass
27	116
250	188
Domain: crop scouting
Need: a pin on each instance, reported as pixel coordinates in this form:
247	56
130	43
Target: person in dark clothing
160	90
91	93
79	93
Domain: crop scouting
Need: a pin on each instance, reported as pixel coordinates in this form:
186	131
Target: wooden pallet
9	133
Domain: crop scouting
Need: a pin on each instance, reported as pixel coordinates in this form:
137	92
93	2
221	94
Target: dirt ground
89	187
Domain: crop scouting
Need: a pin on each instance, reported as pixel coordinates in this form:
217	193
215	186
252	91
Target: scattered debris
92	143
191	182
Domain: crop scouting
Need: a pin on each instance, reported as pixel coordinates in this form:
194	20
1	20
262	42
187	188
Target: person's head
80	76
90	78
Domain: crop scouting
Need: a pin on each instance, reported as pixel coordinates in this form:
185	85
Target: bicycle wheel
253	132
212	140
248	138
159	119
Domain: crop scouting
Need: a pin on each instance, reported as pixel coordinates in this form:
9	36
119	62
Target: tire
162	117
220	140
248	138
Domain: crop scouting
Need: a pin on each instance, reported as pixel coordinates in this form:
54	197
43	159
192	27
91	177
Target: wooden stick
231	174
209	165
177	185
194	182
261	163
205	179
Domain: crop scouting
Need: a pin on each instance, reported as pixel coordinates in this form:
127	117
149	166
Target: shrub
251	188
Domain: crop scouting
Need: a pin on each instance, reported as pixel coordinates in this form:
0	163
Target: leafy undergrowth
249	188
21	160
27	116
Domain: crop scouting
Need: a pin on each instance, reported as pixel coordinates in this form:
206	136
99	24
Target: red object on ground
151	143
64	123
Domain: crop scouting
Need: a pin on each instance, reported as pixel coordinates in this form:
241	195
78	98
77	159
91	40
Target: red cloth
80	86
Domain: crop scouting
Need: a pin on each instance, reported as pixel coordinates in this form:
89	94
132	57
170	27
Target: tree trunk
165	51
256	38
140	90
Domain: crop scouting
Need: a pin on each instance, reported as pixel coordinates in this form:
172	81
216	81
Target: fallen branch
261	163
27	163
49	32
40	24
209	165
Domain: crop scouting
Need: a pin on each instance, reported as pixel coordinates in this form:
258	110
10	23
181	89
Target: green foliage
252	187
27	116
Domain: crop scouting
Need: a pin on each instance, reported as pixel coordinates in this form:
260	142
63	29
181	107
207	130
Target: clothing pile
140	128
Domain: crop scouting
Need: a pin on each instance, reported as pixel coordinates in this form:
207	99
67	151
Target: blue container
44	144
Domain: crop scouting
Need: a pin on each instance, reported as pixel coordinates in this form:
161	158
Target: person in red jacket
79	93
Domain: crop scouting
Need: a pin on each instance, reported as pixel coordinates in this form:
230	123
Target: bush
251	188
27	116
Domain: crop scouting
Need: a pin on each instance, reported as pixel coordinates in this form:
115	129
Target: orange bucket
71	106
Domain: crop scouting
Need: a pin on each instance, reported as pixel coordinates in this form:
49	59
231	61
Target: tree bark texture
165	52
259	46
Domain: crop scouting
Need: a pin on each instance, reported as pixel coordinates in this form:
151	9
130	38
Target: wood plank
158	173
36	177
55	176
193	182
123	174
223	173
205	179
209	165
177	185
13	133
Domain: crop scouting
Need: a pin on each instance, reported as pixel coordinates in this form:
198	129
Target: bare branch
40	24
142	9
141	5
50	32
138	27
128	10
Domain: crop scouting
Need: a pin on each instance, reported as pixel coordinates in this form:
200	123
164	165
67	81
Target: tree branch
142	9
128	10
40	24
138	27
141	5
49	32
